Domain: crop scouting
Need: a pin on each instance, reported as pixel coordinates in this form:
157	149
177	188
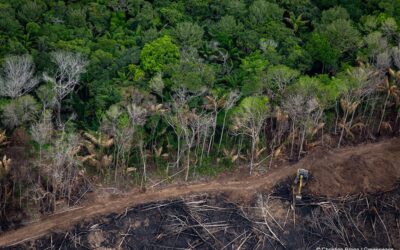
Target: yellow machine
301	180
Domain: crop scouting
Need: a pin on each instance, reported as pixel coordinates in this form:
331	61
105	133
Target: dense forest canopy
110	88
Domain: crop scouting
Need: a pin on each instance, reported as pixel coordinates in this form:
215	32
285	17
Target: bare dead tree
233	97
312	115
184	124
215	104
396	56
281	76
292	105
41	132
180	123
18	76
123	144
69	67
383	60
282	126
138	116
172	121
300	109
205	122
249	120
222	56
180	101
62	170
190	124
187	124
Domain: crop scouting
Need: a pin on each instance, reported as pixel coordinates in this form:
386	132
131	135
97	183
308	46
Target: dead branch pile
270	222
357	221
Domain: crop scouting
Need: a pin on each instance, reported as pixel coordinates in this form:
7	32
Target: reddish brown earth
365	168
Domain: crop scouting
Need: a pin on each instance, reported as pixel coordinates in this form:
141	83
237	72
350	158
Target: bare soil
367	168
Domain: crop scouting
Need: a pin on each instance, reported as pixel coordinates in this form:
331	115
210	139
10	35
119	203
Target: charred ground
216	222
352	199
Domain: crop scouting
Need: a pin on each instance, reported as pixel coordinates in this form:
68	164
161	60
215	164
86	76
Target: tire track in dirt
69	218
322	164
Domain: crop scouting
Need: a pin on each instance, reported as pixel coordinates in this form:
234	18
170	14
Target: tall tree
69	67
18	76
248	120
155	56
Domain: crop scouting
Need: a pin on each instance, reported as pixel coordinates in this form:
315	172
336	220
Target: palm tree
348	127
349	107
389	87
3	139
295	22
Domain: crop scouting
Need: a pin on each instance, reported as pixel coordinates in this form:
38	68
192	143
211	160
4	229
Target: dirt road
365	168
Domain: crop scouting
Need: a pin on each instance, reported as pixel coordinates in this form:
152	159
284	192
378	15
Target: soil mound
363	169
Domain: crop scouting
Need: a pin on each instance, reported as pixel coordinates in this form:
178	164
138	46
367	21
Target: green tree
261	12
226	30
193	74
98	16
280	76
77	17
253	74
8	23
296	22
236	8
331	15
335	25
322	51
198	8
31	11
173	13
147	16
159	53
188	34
342	35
